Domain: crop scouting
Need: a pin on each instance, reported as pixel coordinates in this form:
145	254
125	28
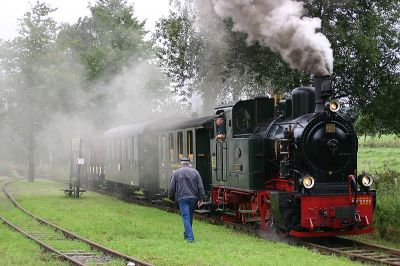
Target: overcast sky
70	10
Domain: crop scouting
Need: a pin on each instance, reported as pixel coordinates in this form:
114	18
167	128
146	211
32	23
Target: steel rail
356	250
41	243
71	235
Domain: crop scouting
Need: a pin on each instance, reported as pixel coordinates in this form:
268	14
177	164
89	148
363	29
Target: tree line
51	71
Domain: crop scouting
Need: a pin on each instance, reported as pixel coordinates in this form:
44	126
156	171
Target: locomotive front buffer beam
323	215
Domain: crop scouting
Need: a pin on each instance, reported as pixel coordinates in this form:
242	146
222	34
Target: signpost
74	190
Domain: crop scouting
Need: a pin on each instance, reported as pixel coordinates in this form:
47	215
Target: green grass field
375	155
384	141
156	236
381	158
376	160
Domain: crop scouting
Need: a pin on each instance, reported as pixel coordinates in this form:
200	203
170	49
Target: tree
178	45
28	110
365	37
108	40
105	43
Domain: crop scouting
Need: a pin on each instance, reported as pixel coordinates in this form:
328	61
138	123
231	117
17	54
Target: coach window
135	148
116	156
129	147
108	150
179	137
123	149
171	146
113	147
190	145
118	150
162	148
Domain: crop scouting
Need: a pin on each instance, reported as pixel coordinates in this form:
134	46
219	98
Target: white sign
80	161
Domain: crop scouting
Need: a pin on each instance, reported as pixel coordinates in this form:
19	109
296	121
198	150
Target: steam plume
279	25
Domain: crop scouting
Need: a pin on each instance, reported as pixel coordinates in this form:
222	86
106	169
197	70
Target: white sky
70	10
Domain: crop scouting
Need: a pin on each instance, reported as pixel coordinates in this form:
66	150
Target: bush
387	211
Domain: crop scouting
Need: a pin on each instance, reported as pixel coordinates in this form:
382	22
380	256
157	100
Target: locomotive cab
238	160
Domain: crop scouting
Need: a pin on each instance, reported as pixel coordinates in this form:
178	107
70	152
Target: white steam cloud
281	26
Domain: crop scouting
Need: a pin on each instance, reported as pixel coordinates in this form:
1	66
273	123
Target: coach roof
178	123
127	130
159	125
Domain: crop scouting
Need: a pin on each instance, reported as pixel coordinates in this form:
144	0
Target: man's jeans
187	207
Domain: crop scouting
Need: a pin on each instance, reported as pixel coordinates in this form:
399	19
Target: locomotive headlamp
308	181
366	181
334	106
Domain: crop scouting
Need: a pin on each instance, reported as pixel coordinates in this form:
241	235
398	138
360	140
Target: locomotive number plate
330	128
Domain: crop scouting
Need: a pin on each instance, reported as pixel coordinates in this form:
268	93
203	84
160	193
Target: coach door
202	151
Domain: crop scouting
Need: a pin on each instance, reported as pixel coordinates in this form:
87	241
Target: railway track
355	250
51	237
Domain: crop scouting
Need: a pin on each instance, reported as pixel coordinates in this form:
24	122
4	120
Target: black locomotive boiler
291	164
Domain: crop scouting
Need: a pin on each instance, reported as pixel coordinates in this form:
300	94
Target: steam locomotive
292	164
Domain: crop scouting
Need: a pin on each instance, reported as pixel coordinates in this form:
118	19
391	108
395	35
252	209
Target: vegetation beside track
16	249
380	156
156	236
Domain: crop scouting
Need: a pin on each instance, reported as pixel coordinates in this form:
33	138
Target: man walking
186	188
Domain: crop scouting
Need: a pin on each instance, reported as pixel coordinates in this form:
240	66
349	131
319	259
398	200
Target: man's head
186	162
219	119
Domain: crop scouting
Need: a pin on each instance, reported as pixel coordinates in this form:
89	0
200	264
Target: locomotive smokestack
323	91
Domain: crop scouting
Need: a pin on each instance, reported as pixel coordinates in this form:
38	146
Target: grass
383	141
381	157
156	236
378	154
376	160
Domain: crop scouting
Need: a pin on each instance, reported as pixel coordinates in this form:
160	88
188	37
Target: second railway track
65	244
